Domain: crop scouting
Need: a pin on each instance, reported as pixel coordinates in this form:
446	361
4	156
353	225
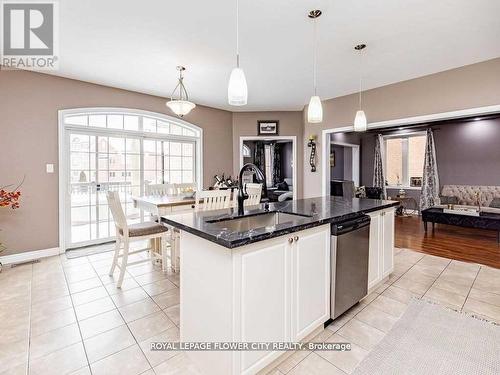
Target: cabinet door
263	310
388	242
310	280
375	256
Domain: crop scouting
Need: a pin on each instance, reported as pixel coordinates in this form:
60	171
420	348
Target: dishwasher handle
350	225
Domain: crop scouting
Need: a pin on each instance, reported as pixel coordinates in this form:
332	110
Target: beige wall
290	123
28	132
29	103
470	86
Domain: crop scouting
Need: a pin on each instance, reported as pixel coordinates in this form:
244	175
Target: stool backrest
212	200
254	192
117	211
181	188
160	189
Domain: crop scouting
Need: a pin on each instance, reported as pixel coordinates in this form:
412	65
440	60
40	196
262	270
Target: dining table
163	205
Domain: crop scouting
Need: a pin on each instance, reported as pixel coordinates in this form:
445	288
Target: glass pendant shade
180	107
360	124
237	90
315	110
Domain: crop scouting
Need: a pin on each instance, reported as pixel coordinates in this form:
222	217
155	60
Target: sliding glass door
98	164
99	160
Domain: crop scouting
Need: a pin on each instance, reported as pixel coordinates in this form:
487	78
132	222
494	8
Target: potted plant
9	198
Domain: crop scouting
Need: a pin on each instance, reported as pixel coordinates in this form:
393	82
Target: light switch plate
50	168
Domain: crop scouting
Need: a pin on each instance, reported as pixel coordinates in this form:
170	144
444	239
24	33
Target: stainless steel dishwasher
349	257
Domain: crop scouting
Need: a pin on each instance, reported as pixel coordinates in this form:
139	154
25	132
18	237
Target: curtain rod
414	128
431	124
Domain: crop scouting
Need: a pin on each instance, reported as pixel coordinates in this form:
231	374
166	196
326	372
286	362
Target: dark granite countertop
318	211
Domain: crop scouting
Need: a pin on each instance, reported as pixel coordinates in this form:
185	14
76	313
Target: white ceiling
136	45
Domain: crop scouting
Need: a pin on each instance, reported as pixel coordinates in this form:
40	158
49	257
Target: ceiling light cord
237	33
314	56
359	48
360	77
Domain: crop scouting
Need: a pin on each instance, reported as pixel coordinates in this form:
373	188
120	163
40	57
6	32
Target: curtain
277	164
430	180
379	166
260	157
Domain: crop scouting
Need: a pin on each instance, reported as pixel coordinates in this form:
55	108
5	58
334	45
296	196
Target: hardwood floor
465	244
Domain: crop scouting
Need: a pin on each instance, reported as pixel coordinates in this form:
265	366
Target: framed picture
416	181
267	127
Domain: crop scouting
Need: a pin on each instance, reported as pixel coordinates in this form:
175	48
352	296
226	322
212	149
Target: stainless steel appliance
349	257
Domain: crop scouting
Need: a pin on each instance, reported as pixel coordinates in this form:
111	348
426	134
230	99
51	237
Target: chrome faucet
242	193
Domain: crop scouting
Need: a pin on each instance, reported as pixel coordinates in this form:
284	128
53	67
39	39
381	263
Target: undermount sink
246	223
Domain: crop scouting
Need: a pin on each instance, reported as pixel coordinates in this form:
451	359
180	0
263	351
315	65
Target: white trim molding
325	134
28	256
291	138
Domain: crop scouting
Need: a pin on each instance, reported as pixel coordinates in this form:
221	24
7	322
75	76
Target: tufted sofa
467	194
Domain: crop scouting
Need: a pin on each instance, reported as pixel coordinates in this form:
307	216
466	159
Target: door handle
290	240
296	238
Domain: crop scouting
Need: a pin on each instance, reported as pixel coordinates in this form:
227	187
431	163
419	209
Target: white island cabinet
277	290
381	252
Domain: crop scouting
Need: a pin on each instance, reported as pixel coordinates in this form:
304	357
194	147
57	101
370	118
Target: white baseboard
28	255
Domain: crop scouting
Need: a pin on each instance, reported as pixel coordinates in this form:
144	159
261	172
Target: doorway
344	163
277	158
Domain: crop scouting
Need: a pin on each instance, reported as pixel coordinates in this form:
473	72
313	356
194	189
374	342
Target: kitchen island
264	276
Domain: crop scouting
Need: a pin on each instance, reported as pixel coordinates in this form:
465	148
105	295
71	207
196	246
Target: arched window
123	150
131	121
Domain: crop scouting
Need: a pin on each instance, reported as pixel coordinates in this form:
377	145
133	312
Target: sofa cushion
446	199
495	203
282	186
467	194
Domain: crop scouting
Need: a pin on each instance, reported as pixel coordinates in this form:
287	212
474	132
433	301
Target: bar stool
135	232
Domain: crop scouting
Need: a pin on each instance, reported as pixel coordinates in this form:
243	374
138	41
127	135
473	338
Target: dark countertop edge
265	236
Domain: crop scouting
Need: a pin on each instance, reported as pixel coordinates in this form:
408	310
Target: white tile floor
64	316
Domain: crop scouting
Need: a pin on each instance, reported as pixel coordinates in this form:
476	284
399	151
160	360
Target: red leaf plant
10	198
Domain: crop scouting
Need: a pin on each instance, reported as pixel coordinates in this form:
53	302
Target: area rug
431	339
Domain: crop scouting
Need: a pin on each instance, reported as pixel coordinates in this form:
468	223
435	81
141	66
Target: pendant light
180	105
315	109
237	90
360	124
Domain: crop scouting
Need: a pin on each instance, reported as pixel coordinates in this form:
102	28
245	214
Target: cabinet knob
296	238
290	240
